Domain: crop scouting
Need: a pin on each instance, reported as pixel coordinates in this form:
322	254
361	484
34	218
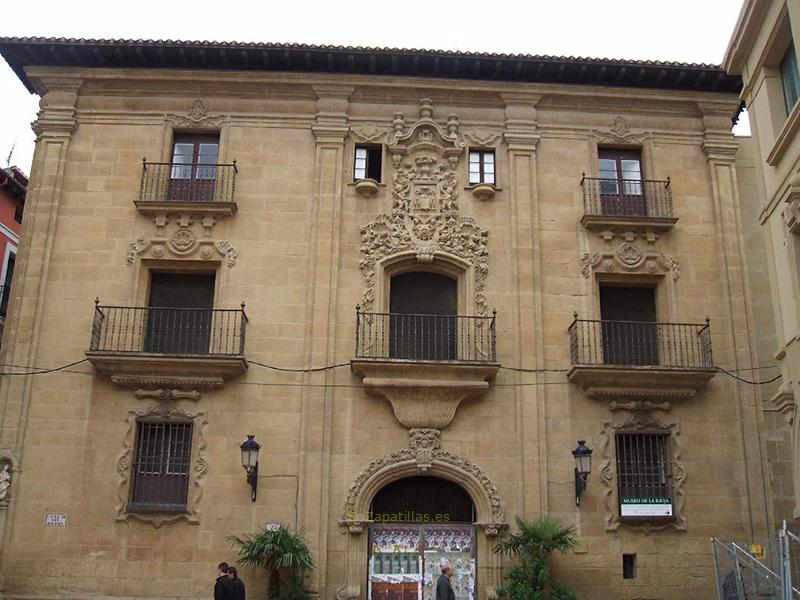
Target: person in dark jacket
222	587
444	589
237	585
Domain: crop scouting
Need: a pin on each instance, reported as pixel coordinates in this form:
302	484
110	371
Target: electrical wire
743	380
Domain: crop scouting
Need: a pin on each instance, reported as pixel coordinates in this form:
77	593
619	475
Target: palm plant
533	544
283	554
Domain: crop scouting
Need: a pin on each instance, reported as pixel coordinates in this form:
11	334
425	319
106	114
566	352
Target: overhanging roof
168	54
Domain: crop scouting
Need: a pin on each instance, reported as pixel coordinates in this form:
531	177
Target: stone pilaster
54	128
732	326
329	129
521	137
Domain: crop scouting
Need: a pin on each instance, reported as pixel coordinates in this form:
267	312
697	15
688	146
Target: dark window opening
481	166
790	77
644	475
629	566
423	322
367	163
180	313
18	210
6	287
621	186
194	167
630	333
161	466
423	499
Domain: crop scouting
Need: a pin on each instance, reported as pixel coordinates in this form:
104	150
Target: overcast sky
675	30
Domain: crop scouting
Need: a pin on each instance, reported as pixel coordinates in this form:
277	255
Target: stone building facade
569	231
763	51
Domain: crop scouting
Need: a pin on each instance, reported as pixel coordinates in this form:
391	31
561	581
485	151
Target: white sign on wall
55	519
272	526
645	507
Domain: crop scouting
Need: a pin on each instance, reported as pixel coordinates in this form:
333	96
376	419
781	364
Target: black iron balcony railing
195	182
636	343
184	331
425	337
626	197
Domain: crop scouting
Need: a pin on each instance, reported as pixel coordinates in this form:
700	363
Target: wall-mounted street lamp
583	466
250	449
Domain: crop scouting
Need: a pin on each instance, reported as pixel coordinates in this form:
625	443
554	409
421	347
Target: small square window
481	167
367	163
18	213
160	475
629	566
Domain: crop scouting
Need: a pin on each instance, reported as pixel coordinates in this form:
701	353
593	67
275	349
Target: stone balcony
630	358
627	204
168	347
425	365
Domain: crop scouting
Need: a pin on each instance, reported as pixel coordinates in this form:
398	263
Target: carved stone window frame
199	467
443	264
196	120
640	421
620	135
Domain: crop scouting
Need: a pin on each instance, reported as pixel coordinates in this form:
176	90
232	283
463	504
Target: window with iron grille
161	466
367	163
481	166
644	475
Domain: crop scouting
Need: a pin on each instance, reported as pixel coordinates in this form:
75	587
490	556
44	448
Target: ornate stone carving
619	127
6	479
168	382
641	420
425	217
619	131
350	591
482	137
630	258
188	239
784	402
639	405
196	117
166	409
424	452
368	133
164	395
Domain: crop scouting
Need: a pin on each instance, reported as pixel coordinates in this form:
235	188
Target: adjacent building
418	279
13	187
763	50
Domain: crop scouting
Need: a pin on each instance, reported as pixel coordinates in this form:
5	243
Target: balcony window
367	163
481	167
160	477
790	78
423	322
621	186
629	331
644	478
180	319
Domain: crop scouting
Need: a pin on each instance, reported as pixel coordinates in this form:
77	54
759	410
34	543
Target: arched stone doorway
419	524
423	457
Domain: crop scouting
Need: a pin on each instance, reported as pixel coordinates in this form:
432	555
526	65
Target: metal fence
626	197
196	182
169	330
766	569
425	337
686	345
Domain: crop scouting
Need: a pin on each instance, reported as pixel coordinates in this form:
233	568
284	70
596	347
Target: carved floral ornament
8	469
166	409
188	238
425	217
640	420
628	257
619	131
424	455
196	117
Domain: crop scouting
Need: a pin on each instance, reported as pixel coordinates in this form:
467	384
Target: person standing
444	589
237	585
222	586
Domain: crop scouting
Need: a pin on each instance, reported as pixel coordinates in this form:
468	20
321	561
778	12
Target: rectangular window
481	166
180	313
629	566
644	478
18	210
790	77
193	169
629	330
160	478
367	163
621	185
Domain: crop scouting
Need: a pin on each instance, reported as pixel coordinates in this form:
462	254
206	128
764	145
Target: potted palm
284	555
532	545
